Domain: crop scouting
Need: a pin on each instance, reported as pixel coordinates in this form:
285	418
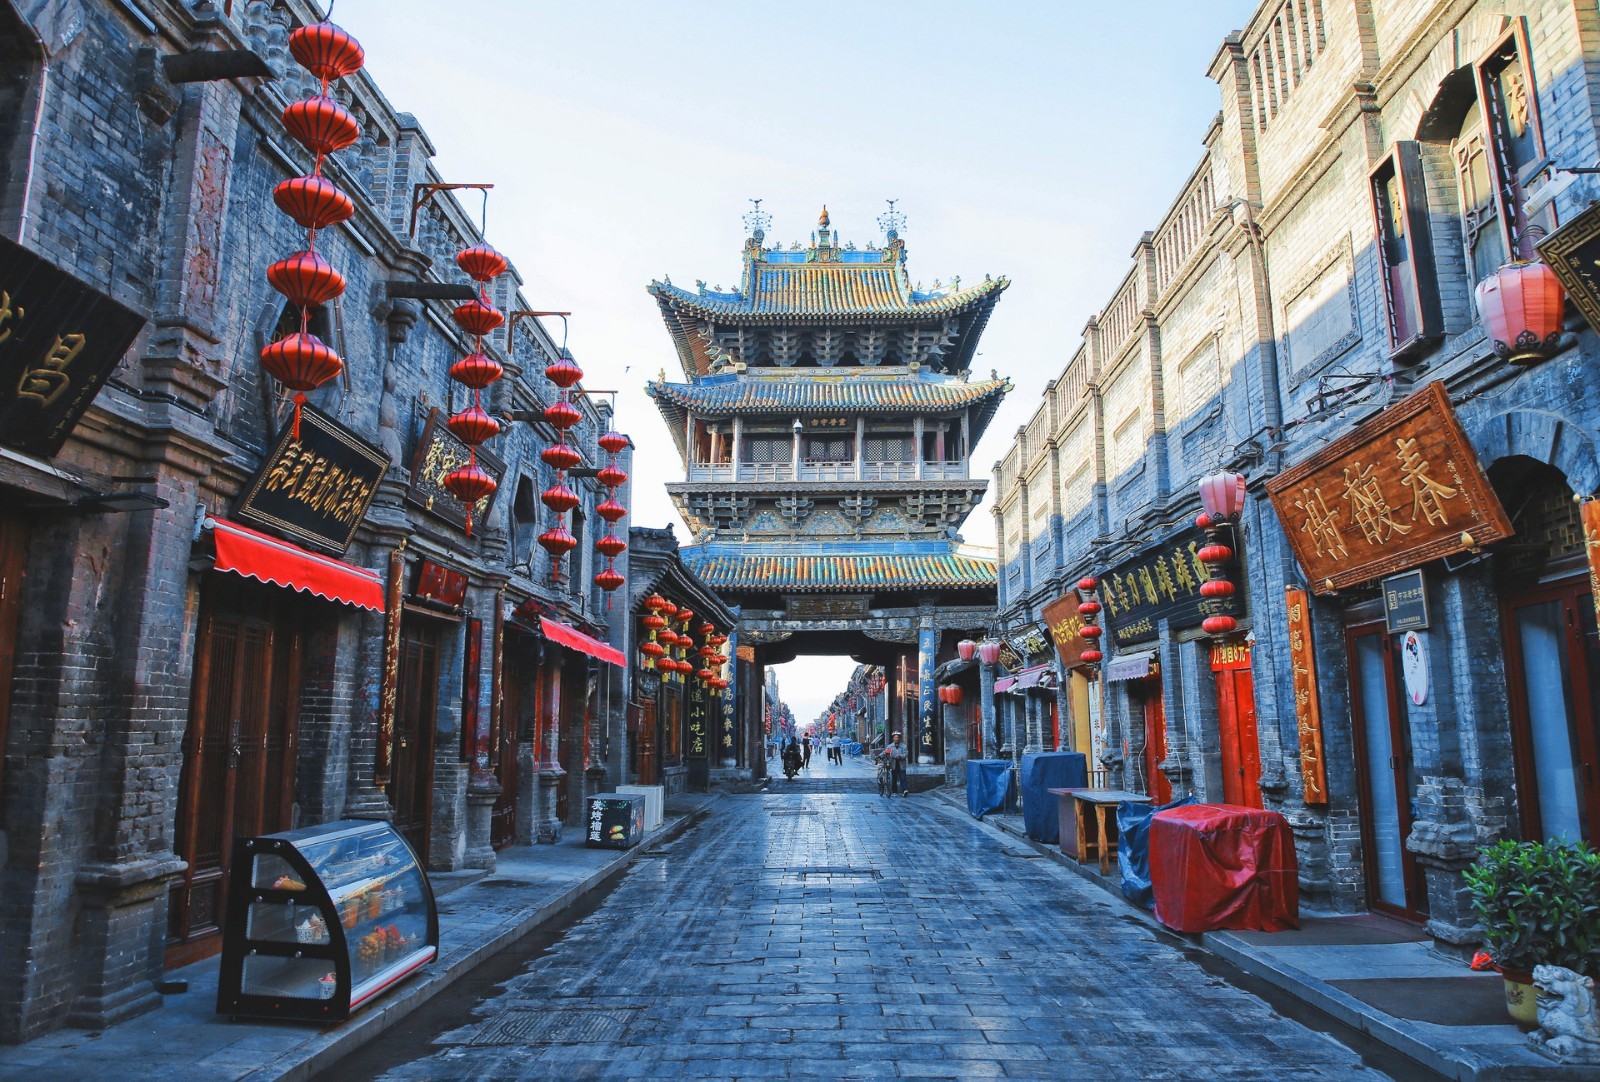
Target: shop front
1083	729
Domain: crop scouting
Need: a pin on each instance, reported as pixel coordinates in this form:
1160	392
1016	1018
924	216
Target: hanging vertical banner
497	655
1589	512
927	651
389	687
471	694
1307	708
699	738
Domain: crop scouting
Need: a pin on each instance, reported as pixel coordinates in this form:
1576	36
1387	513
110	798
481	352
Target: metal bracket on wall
422	195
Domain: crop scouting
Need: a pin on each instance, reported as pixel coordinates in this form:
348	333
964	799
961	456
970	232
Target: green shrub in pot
1538	903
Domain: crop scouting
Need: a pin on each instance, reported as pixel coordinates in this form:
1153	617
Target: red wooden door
649	744
415	720
238	752
1155	743
1241	749
502	820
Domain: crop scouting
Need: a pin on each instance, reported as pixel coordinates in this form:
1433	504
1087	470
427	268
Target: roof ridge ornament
756	222
892	221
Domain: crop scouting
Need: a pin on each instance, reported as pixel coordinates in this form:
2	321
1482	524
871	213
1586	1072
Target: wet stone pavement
822	931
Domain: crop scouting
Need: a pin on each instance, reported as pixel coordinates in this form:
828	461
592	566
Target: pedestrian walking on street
896	755
806	749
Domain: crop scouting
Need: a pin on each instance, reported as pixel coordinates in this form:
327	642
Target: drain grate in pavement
839	873
800	811
523	1025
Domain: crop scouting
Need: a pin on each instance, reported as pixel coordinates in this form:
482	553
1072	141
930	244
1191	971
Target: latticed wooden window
829	448
888	449
768	448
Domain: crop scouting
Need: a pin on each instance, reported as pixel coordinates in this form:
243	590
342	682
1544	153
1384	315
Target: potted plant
1538	903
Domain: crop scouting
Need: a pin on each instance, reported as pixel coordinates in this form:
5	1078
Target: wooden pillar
861	443
794	455
738	439
916	444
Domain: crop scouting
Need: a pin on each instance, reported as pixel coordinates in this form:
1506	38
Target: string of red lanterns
301	361
562	416
1091	631
610	545
471	483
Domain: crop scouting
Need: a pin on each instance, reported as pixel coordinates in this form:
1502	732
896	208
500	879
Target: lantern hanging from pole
610	509
1521	306
477	370
1222	495
966	649
300	361
989	651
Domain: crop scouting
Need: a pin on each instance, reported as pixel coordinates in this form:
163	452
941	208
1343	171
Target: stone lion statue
1569	1026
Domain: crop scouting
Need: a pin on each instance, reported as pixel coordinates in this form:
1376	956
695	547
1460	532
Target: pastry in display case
322	920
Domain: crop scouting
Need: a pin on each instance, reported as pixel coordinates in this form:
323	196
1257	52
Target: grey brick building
154	702
1368	166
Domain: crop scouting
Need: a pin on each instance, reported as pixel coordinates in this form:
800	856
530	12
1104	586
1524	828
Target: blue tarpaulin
989	787
1040	774
1133	848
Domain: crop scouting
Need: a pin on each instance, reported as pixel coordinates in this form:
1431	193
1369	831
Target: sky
1031	139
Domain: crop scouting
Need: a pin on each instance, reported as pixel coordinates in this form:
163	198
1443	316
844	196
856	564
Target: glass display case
321	920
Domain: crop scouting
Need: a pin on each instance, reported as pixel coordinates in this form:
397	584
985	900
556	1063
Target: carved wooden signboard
1589	513
439	452
1021	648
1061	615
1307	707
1573	253
315	489
1163	583
1400	490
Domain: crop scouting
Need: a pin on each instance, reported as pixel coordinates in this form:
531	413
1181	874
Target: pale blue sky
1035	140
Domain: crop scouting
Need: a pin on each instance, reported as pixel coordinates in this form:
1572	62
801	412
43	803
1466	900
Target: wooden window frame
1403	164
1510	196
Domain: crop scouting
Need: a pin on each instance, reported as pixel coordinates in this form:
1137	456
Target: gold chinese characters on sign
1589	513
1065	623
1307	708
1402	489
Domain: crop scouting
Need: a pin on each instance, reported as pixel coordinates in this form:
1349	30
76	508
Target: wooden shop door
1383	773
1553	668
415	720
238	750
503	819
1240	746
1155	740
649	744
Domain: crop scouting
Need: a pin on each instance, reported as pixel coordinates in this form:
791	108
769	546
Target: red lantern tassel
299	400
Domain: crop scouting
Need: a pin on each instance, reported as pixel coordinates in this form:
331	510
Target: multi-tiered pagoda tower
826	422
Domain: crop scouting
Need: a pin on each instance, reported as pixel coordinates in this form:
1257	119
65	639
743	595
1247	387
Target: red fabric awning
1027	678
266	559
573	639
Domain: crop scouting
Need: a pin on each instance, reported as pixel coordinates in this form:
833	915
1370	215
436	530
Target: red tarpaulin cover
1223	866
556	631
266	559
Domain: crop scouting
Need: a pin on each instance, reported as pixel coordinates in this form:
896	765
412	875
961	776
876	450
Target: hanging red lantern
706	675
989	651
1216	588
1222	495
557	541
708	652
1087	583
707	628
481	262
326	51
1088	608
953	694
611	546
473	426
477	317
560	456
306	279
608	579
1203	521
559	498
1521	306
611	477
562	416
686	614
652	649
966	649
655	603
613	442
1090	657
469	483
321	125
653	622
669	609
1214	554
1218	625
611	511
476	370
314	202
1090	632
301	362
563	372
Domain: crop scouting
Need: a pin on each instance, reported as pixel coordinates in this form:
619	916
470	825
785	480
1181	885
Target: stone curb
326	1049
1451	1061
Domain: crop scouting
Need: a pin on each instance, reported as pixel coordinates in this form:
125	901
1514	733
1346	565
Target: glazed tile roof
826	289
831	391
842	573
814	394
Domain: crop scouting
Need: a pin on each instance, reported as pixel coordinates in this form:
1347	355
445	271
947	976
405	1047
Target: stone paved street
837	934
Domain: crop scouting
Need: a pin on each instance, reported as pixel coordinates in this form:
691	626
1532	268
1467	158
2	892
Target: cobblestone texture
800	935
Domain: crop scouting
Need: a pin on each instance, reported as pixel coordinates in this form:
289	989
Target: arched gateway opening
826	420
